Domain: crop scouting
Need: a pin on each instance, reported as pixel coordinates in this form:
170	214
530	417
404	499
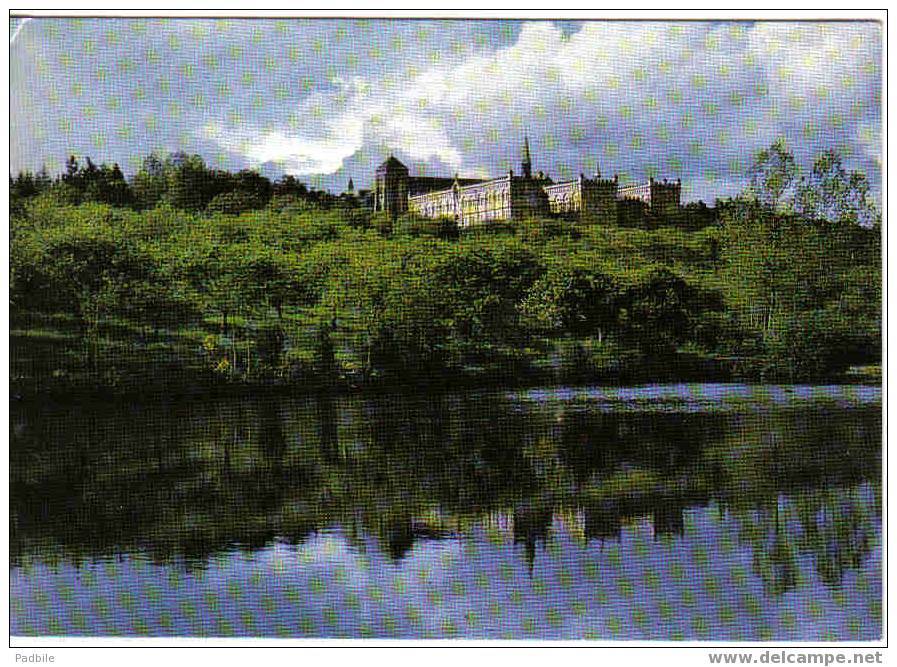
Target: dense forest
184	278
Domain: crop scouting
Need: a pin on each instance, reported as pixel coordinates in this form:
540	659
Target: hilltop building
471	201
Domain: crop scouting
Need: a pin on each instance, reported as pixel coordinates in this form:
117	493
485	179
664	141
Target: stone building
511	197
590	199
659	196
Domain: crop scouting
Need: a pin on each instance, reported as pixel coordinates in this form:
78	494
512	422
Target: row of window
490	199
565	203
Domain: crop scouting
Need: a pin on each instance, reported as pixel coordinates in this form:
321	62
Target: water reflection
777	498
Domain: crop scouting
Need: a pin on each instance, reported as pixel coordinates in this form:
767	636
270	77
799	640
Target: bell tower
391	187
527	163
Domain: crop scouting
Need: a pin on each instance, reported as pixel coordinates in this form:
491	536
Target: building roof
392	164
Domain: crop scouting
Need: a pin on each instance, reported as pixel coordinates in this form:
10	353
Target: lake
667	512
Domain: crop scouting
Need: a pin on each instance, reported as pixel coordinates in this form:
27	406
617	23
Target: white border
75	651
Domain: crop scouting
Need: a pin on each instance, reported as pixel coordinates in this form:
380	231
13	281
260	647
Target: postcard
483	329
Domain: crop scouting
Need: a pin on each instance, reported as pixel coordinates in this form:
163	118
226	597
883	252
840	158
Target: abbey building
511	197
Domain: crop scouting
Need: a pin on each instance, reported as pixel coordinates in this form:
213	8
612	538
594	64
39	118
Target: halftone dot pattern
326	99
637	588
553	545
707	571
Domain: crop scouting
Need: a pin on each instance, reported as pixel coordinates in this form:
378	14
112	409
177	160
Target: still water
711	512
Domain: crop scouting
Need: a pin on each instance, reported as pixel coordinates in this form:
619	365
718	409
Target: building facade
515	197
659	196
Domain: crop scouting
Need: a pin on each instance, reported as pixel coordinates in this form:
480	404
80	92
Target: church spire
527	161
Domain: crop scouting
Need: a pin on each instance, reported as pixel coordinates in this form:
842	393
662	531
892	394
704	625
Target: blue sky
327	100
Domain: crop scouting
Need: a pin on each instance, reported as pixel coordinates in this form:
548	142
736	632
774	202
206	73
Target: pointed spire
351	187
527	161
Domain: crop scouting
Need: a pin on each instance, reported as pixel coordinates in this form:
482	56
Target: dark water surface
721	512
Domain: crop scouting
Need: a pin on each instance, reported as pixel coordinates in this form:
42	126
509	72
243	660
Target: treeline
180	180
786	286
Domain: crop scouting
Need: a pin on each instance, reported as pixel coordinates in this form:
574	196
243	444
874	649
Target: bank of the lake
52	359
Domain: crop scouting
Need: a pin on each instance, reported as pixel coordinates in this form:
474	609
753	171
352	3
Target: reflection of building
531	525
603	521
514	197
668	517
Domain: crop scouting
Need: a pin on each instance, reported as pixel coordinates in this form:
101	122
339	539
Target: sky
329	99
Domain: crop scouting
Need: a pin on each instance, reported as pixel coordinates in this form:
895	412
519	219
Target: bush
586	360
269	343
412	225
235	203
816	344
536	230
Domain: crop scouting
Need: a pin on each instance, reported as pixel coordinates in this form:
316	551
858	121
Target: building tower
350	189
391	187
527	161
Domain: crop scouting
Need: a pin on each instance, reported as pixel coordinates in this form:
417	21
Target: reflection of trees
603	521
271	437
599	442
195	479
425	461
774	553
838	529
836	526
668	515
769	473
189	480
327	420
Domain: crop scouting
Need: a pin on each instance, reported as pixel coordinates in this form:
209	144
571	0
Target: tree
86	269
92	271
773	174
833	194
233	203
791	267
815	344
214	275
574	298
659	308
188	182
275	279
92	183
26	186
72	170
486	279
290	186
255	188
107	185
150	183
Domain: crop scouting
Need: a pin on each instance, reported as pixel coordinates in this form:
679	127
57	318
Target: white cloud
296	154
868	138
665	93
816	62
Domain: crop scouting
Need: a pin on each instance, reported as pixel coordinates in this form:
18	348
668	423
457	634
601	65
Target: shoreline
190	391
